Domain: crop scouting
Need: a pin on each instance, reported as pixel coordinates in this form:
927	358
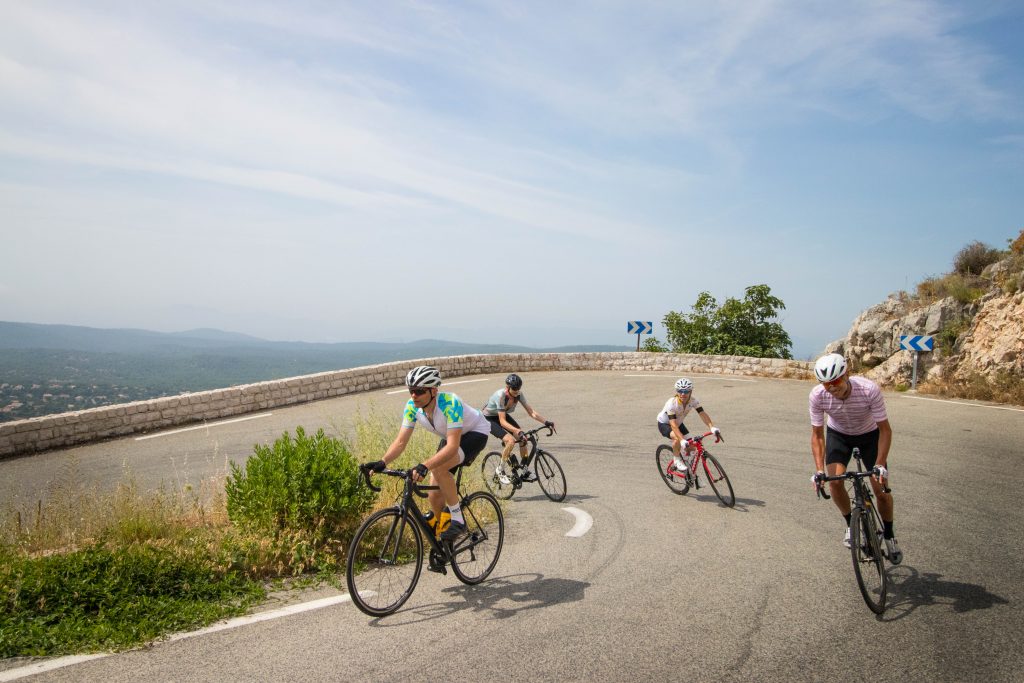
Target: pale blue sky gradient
527	172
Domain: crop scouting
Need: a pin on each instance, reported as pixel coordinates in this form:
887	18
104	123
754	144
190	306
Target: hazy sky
526	172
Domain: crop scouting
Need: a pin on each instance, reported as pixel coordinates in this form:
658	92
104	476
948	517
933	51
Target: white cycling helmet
830	367
684	384
423	376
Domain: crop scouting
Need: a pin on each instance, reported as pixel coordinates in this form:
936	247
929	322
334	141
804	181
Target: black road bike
866	544
386	555
503	479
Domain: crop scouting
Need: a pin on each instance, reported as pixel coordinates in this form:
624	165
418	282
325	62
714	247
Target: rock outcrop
984	336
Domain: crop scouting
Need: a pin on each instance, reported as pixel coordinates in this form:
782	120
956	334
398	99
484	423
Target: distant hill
48	369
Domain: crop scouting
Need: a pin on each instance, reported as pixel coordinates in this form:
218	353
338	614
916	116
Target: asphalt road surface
662	587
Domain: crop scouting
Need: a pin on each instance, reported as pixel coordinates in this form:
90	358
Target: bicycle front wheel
550	476
867	559
676	481
497	476
384	562
719	480
476	553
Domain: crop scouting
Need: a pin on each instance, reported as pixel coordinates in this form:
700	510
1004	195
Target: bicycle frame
697	457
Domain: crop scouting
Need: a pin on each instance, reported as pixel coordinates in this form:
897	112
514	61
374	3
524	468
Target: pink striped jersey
860	413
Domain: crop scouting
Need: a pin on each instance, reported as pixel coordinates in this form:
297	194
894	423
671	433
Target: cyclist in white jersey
463	431
856	419
503	426
670	420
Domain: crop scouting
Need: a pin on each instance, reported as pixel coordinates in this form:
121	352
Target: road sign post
639	327
916	343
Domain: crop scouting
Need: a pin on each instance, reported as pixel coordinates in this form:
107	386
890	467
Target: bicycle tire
868	564
719	480
550	476
677	483
476	553
492	480
384	563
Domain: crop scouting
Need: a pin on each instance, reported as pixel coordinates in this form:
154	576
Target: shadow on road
503	597
910	589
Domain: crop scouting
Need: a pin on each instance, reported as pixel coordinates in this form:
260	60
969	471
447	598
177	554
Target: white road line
583	522
61	662
720	379
964	403
461	381
203	426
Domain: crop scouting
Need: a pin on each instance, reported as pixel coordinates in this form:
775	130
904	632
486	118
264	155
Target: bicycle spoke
475	554
550	476
498	476
677	482
868	563
384	562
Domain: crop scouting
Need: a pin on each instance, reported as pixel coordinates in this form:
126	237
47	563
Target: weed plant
1003	387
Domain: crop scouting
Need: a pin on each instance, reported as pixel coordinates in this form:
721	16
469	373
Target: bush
102	598
973	258
1017	245
652	345
309	483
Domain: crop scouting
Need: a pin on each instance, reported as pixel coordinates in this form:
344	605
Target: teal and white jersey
501	401
449	413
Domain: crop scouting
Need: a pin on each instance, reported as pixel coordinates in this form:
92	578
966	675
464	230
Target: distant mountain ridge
48	369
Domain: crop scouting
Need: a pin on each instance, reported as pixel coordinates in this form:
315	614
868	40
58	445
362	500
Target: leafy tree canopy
736	328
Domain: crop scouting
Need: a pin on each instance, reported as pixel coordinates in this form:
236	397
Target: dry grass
1004	387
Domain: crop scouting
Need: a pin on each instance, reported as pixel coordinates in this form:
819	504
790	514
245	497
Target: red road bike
699	461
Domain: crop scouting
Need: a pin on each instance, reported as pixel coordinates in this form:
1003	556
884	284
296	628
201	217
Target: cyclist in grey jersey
504	426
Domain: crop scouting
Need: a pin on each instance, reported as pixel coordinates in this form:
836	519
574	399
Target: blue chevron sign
916	342
639	327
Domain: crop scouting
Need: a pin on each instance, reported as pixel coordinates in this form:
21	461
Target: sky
534	173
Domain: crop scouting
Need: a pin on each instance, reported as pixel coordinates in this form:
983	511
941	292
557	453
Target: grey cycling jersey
501	401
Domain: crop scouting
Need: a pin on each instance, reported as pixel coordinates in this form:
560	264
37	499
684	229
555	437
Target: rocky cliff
977	323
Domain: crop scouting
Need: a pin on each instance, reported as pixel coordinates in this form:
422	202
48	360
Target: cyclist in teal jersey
463	431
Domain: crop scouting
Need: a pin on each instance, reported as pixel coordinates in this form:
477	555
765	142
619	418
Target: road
662	587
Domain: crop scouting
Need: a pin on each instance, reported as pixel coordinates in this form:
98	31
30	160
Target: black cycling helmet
514	381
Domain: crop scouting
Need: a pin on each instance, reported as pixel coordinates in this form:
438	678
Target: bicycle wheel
475	554
497	477
867	559
719	480
550	476
676	481
384	562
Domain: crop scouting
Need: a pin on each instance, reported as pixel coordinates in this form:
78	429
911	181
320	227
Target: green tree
744	327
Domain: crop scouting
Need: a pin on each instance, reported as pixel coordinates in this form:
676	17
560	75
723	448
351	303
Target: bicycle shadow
503	597
569	498
742	504
912	589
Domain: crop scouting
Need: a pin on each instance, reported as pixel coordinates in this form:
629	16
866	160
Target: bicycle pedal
437	568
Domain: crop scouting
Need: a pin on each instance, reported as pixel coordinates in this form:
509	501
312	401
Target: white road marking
61	662
203	426
964	403
583	522
720	379
461	381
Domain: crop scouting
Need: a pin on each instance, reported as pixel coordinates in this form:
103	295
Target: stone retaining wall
84	426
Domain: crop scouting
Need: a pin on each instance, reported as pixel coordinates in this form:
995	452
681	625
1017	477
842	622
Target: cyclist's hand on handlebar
717	432
549	424
419	472
375	466
521	437
880	473
818	477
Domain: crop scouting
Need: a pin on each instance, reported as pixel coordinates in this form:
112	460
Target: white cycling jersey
675	409
449	413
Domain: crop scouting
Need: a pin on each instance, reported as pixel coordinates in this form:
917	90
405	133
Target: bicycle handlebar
700	437
858	474
404	474
551	430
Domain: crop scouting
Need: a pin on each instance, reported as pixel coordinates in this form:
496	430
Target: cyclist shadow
742	504
569	498
503	597
912	589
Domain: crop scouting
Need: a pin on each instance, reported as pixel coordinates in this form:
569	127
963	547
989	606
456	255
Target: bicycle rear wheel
867	559
384	562
497	476
550	476
719	480
475	554
676	481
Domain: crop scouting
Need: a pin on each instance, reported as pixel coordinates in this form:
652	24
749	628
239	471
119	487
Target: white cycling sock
456	513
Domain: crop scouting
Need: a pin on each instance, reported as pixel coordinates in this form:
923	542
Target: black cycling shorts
839	447
471	444
496	429
666	429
